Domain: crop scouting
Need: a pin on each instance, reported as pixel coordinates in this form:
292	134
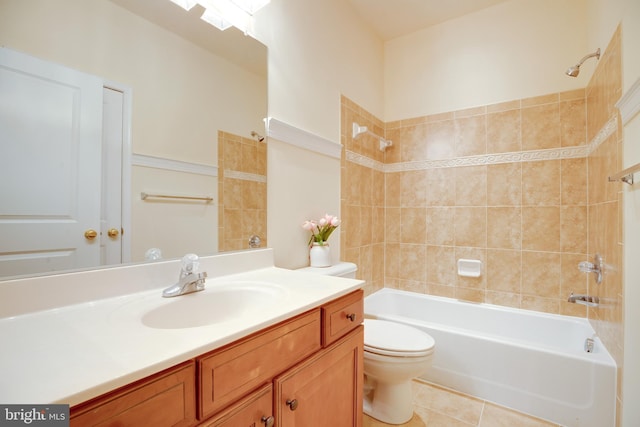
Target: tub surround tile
504	184
471	186
541	228
504	227
541	126
504	271
503	131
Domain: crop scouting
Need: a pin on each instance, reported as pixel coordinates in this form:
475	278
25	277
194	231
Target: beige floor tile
447	402
435	406
497	416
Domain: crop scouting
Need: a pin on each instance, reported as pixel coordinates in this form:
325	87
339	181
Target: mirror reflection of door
50	167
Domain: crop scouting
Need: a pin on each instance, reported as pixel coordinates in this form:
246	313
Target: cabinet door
166	399
253	411
325	390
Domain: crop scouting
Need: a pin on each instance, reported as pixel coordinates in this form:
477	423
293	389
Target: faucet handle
190	264
586	267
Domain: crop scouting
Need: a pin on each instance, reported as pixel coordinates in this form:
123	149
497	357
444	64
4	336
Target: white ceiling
395	18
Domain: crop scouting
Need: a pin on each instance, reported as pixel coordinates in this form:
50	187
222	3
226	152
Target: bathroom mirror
197	98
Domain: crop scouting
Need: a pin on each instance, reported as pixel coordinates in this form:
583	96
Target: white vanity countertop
76	352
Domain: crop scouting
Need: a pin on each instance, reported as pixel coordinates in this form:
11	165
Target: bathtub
532	362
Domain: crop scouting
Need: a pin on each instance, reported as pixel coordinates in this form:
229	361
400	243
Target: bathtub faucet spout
587	300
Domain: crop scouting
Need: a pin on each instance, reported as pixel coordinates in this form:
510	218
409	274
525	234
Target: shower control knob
293	404
268	421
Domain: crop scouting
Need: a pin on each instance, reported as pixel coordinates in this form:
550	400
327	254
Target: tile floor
440	407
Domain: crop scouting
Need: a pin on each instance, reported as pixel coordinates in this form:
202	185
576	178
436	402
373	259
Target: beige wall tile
541	183
504	271
471	226
471	186
440	226
504	131
470	136
504	184
541	228
504	227
541	274
541	127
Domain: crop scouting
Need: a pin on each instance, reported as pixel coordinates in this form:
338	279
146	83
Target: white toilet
394	354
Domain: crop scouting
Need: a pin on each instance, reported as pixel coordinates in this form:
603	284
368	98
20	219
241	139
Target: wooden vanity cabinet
314	359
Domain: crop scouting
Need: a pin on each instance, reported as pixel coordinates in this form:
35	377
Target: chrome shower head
575	70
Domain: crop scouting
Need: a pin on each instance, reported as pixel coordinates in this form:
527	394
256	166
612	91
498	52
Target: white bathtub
529	361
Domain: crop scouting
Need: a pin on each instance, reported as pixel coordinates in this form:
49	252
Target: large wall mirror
186	104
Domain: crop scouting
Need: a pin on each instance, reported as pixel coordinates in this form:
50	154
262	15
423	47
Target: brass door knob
293	404
90	234
268	421
113	232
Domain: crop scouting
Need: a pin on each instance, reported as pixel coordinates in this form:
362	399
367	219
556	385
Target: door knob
90	234
113	232
268	421
293	404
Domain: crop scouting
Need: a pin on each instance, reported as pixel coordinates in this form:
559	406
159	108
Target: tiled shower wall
506	184
362	232
522	186
242	189
605	199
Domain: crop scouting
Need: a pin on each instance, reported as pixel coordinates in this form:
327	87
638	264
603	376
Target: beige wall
318	50
517	49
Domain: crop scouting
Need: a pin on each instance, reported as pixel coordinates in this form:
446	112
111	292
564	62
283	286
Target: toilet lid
394	339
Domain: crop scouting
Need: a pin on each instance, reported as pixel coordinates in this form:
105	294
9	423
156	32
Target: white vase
320	255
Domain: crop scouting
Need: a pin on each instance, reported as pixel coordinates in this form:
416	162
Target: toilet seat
394	339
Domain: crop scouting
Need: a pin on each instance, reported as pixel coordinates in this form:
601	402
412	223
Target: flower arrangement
321	229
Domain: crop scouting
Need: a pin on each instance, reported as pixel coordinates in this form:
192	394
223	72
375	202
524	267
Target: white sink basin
216	304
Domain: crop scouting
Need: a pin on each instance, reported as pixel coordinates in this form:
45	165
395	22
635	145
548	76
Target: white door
50	167
112	154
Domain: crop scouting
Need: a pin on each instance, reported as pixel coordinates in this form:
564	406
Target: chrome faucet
587	300
189	280
596	267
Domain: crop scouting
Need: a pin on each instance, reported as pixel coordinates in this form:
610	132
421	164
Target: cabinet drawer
254	410
232	372
164	399
341	316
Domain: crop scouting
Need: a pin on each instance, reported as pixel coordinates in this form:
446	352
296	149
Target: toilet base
389	403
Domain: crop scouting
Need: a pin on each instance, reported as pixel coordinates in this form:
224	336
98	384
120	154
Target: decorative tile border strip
492	159
605	132
244	176
364	161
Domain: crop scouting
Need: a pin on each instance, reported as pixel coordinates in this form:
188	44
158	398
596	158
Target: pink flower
309	225
321	230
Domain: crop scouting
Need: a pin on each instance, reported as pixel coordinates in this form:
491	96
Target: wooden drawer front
254	410
167	399
341	316
228	374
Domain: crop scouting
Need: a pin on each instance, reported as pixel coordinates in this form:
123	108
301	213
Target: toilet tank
341	269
